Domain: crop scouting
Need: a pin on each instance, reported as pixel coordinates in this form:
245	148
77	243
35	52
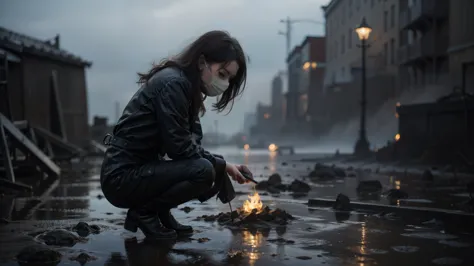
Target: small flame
252	203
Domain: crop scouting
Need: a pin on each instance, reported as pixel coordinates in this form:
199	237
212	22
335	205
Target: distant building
263	124
250	119
277	102
311	102
30	64
461	44
294	64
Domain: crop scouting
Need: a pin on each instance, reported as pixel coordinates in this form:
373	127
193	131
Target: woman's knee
206	172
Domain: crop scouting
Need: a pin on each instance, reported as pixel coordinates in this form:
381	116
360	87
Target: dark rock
59	237
266	167
273	190
281	240
327	172
83	258
343	203
187	209
284	163
351	174
83	229
339	172
396	194
350	168
203	240
274	180
282	187
38	255
303	258
427	175
369	186
263	185
299	186
100	196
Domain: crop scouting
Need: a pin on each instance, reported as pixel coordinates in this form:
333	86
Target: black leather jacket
155	122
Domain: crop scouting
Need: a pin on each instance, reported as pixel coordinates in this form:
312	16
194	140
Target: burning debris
252	214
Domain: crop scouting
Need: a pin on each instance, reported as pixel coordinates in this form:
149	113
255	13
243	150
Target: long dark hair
214	47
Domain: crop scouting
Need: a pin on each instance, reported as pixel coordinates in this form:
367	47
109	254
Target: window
385	21
392	16
343	44
385	55
349	39
392	51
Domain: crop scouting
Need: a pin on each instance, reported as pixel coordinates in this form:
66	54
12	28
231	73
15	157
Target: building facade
343	58
294	65
461	44
277	102
31	63
424	39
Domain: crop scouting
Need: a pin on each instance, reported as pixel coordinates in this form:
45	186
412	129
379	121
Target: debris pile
251	214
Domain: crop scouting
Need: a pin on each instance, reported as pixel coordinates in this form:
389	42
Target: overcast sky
122	37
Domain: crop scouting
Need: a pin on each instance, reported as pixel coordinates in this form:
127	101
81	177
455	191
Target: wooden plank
14	185
21	124
28	147
57	103
98	146
58	141
6	154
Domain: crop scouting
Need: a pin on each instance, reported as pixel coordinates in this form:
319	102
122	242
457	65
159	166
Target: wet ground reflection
318	236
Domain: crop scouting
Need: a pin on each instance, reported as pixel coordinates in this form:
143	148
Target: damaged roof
20	43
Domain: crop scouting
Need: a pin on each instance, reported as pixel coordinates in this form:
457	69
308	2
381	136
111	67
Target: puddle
455	244
447	261
405	249
416	200
431	235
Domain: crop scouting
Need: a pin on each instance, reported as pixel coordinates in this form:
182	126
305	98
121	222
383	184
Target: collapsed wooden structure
26	148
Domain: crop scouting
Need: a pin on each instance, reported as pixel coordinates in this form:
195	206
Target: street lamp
362	146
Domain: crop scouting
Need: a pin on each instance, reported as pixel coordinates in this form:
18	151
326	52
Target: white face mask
217	86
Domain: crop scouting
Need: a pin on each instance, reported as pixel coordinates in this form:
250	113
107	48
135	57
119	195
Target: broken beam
58	141
404	210
28	147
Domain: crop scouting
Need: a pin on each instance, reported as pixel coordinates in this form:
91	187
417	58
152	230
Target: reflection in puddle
272	161
254	240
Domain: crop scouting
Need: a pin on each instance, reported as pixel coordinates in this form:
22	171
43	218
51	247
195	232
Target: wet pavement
318	236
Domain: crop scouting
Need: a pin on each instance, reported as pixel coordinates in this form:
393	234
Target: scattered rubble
38	255
263	218
324	172
396	194
186	209
203	240
60	237
343	203
280	240
83	229
83	258
274	185
427	175
369	186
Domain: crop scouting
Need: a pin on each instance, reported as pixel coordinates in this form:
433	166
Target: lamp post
362	146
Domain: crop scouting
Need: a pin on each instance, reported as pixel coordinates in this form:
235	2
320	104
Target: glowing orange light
246	147
397	137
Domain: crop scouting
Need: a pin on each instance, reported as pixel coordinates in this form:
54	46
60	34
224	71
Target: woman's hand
234	172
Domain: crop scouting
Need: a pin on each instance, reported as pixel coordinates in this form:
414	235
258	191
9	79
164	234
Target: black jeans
161	184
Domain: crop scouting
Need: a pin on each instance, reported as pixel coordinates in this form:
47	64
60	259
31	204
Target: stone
281	187
427	175
274	180
38	255
343	203
369	186
59	237
83	258
187	209
299	186
83	229
273	190
396	194
263	185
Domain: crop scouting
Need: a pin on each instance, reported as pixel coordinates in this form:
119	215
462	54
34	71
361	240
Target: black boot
168	220
173	197
149	224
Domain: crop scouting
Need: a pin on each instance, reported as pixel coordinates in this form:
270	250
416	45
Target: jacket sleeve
172	112
197	135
